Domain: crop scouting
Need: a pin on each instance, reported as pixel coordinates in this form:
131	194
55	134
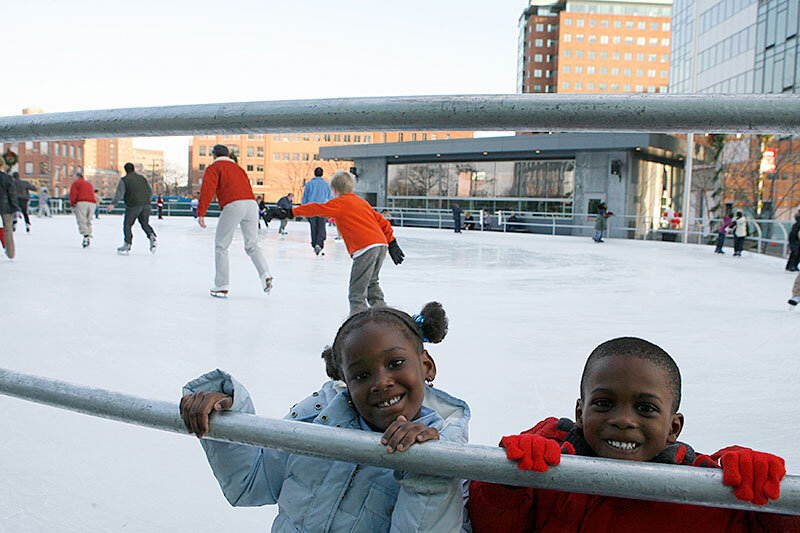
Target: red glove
532	451
755	476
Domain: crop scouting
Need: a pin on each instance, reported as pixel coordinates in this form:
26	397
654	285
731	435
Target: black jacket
8	195
794	239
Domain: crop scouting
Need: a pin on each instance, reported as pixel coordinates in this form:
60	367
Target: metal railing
625	479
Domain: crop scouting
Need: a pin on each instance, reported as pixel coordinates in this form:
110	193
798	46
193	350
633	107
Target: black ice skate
125	249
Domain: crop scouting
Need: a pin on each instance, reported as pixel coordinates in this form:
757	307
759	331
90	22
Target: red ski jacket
228	181
494	507
81	191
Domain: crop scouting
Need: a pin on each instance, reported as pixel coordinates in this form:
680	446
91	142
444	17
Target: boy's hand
755	476
196	407
533	452
401	434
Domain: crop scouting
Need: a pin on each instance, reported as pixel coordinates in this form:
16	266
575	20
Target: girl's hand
196	407
401	434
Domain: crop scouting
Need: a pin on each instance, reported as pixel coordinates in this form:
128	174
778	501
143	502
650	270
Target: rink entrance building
552	175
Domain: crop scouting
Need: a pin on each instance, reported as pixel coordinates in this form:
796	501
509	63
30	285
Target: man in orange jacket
229	182
366	234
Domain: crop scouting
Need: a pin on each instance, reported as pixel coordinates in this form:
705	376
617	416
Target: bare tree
175	179
297	173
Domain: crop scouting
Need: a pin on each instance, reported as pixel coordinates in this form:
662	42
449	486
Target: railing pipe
666	113
698	486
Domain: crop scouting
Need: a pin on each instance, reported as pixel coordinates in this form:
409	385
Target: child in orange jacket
366	234
628	409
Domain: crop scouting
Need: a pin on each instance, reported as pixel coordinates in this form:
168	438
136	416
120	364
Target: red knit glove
532	452
755	476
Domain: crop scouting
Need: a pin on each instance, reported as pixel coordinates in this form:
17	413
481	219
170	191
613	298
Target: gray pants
283	225
364	280
84	211
132	214
243	213
8	234
796	288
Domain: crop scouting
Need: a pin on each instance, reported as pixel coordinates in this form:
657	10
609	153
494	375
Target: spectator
194	203
456	218
600	226
469	222
160	206
794	245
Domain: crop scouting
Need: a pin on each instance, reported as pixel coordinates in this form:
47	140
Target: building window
295	157
316	138
201	166
639	72
433	136
665	74
260	168
249	168
615	56
652	58
72	151
276	156
651	73
616	39
276	137
567	53
251	136
356	138
664	42
662	88
604	23
306	137
580	23
367	138
665	26
617	23
29	167
286	137
566	69
43	167
603	71
602	86
42	147
615	71
305	157
665	58
446	135
286	157
651	88
567	38
627	88
578	69
592	38
538	43
337	138
537	73
400	137
260	136
629	39
251	151
627	72
537	58
347	138
628	56
629	24
259	182
539	27
567	22
565	85
604	39
640	57
590	86
640	88
297	137
603	55
590	70
579	37
201	150
260	151
579	54
653	41
593	23
29	148
642	25
578	86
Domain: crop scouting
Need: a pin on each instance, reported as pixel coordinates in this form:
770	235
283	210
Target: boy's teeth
390	401
622	445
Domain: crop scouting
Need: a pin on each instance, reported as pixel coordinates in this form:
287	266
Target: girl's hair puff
432	329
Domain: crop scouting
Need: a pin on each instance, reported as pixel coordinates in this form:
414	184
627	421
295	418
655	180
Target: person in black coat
457	218
22	187
8	207
794	245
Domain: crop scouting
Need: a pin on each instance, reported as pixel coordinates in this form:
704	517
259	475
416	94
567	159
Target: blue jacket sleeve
248	476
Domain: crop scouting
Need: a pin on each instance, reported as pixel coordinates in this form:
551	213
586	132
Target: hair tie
419	319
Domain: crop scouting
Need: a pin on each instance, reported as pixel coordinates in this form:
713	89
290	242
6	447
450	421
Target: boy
366	234
628	409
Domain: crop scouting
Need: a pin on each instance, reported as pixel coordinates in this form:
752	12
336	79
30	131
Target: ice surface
525	312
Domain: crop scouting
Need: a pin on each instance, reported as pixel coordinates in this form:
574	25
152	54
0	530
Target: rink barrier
625	479
649	113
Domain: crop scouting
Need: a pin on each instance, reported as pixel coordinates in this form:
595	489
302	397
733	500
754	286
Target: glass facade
527	185
777	68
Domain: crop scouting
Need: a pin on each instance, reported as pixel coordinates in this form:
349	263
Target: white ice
525	312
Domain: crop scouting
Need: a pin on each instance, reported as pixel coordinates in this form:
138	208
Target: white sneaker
219	293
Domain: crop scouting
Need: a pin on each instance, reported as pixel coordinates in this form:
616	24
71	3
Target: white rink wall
525	312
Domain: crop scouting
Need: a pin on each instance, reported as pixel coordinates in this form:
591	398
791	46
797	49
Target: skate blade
219	294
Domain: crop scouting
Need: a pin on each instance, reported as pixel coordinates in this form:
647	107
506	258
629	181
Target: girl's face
385	374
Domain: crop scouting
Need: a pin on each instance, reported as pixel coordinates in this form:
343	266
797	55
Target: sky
84	55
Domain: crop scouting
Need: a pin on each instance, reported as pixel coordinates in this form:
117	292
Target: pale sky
87	54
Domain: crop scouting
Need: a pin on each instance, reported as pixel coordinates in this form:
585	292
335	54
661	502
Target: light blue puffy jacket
321	495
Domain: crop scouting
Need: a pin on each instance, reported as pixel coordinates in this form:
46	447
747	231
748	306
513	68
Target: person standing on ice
456	218
285	202
44	203
136	192
726	223
317	191
22	188
794	245
194	203
600	226
229	183
8	208
81	198
739	233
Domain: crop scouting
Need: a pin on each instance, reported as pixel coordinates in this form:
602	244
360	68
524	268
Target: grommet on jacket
324	418
314	394
390	510
294	414
318	406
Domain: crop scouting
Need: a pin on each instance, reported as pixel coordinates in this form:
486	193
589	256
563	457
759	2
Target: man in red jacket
628	410
82	200
229	182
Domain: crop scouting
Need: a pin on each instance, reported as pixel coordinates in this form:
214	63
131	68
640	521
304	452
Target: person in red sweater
366	234
627	410
83	202
229	183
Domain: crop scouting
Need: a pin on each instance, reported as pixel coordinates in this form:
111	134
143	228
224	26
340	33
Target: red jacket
358	224
495	507
228	181
81	191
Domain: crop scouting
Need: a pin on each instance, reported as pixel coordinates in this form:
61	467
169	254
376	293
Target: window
250	151
642	25
539	27
337	138
603	71
590	70
652	58
286	157
567	53
249	168
537	88
615	71
413	136
651	73
251	136
627	88
537	58
286	138
626	72
567	22
259	182
71	150
615	87
640	88
665	74
296	137
629	39
305	157
317	137
653	41
260	168
260	151
592	54
640	57
316	157
580	23
552	27
537	73
664	58
567	38
665	26
43	167
357	138
628	56
579	37
540	42
276	156
664	42
578	69
593	23
28	166
617	23
433	136
639	72
579	53
590	86
629	24
42	148
604	23
424	136
602	86
327	137
604	39
662	88
446	135
566	69
616	39
295	157
615	56
201	166
593	38
260	136
276	137
367	138
400	137
565	85
201	150
346	137
306	137
651	88
29	148
578	86
603	55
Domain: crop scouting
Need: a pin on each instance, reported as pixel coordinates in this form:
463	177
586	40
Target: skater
600	225
317	191
137	194
285	202
795	299
81	198
194	204
98	199
229	182
722	231
456	218
22	187
262	212
8	208
630	393
366	234
739	233
380	372
44	203
160	207
794	245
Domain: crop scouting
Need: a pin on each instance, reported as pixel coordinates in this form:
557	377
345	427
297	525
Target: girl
378	369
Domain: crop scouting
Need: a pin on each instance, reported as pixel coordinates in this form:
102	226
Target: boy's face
625	409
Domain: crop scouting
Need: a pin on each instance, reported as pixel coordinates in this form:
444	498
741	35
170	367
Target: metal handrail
667	113
625	479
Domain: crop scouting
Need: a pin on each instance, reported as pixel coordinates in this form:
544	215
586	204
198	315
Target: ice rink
525	312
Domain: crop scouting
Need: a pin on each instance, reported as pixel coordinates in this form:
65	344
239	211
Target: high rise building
605	46
281	163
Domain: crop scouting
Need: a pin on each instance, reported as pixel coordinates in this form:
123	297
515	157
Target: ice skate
267	284
152	244
219	293
87	240
317	250
27	228
125	249
794	300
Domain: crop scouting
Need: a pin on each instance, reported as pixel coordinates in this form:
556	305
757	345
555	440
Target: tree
175	180
296	173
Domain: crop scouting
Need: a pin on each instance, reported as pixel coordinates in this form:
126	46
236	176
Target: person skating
44	203
456	218
81	198
366	234
600	225
22	187
98	199
262	212
739	233
794	245
727	222
160	207
317	191
136	192
795	299
194	203
286	203
8	208
229	182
